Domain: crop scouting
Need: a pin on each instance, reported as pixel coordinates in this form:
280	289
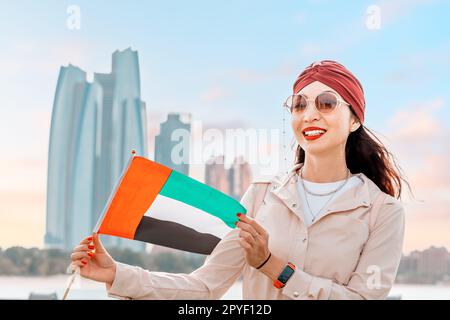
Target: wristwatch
284	276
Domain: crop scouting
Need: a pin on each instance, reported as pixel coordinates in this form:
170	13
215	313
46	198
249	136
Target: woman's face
338	124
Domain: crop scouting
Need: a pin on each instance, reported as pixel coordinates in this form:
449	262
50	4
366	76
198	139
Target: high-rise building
233	181
433	261
239	178
172	144
216	175
431	265
94	128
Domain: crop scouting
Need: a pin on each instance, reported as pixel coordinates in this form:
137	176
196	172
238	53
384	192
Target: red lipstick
314	133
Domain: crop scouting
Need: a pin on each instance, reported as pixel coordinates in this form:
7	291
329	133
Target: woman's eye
299	106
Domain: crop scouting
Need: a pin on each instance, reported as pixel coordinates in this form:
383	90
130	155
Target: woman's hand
94	261
255	240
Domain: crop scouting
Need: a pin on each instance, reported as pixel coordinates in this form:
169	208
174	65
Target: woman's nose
311	113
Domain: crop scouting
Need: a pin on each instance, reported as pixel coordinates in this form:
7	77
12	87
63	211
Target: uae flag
155	204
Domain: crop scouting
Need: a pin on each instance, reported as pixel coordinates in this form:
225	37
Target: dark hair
367	154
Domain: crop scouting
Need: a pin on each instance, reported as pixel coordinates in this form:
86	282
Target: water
20	288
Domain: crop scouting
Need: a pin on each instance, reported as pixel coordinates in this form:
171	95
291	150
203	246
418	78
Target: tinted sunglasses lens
296	103
326	102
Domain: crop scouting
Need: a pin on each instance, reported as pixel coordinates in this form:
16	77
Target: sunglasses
325	102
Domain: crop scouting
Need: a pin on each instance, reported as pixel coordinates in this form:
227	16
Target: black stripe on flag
175	235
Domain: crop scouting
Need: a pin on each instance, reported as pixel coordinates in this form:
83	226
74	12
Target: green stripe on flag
192	192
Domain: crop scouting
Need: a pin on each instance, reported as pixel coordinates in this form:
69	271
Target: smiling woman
348	139
330	228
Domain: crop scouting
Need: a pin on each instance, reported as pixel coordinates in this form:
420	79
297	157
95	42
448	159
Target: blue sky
187	48
229	63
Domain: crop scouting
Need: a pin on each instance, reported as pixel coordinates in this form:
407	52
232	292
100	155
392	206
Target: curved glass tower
93	130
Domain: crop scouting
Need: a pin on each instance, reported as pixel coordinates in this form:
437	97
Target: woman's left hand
254	239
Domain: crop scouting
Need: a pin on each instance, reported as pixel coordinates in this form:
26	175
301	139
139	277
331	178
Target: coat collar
285	188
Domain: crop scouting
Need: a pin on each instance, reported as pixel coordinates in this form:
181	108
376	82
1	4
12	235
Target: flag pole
77	271
69	285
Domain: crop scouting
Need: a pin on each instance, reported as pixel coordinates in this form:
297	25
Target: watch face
286	274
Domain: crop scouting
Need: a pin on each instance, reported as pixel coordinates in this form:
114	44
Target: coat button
304	240
295	294
294	205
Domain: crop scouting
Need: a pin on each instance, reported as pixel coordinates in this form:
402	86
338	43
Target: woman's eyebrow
303	94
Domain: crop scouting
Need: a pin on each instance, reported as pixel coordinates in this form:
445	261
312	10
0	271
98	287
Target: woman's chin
314	148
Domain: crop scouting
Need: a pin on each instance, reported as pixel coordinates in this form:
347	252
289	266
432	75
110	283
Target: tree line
19	261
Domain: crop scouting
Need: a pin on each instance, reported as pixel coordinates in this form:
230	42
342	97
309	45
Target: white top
317	203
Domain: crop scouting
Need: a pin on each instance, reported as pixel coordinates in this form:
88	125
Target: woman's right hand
94	261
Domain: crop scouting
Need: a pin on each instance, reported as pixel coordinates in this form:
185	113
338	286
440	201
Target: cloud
418	123
420	141
215	94
419	68
392	10
350	32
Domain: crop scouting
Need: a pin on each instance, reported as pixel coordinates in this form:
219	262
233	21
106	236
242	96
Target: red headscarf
336	76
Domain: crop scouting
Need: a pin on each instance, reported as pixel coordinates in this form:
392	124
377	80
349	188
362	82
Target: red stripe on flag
140	186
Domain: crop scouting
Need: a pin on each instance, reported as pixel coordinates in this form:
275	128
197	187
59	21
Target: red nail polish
239	215
236	223
90	239
90	254
91	246
83	262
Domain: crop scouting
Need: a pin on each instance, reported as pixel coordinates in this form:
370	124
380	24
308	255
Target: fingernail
236	223
239	215
90	254
83	262
90	238
91	246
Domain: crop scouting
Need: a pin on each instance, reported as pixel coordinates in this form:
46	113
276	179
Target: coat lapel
285	188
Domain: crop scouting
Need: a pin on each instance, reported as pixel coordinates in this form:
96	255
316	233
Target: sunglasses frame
338	100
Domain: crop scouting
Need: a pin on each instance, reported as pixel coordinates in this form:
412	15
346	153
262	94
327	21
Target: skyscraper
172	149
216	174
233	181
172	144
239	178
94	127
59	178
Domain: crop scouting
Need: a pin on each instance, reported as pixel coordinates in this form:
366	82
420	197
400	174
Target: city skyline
172	144
94	126
233	181
431	265
234	73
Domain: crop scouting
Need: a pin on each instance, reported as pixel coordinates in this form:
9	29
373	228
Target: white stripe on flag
168	209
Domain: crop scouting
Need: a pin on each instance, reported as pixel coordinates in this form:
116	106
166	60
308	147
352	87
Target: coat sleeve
211	281
377	267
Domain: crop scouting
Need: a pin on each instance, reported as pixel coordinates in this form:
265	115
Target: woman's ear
356	124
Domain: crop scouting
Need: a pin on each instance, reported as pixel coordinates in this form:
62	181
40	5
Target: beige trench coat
349	252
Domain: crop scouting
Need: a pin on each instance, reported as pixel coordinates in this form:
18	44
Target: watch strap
280	282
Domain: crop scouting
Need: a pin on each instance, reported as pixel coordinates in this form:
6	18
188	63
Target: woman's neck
324	169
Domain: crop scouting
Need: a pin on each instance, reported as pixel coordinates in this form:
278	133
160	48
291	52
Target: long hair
367	154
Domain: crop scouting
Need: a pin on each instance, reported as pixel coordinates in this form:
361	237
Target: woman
331	228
